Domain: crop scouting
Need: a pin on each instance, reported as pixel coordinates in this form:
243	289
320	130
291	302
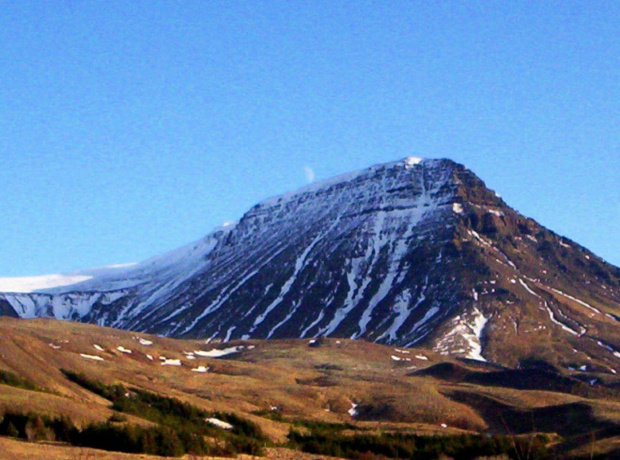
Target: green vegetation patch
185	421
126	438
399	445
14	380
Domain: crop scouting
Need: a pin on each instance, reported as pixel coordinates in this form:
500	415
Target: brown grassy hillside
276	383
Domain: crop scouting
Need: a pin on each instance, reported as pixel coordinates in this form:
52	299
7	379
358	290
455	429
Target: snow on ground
145	342
470	331
123	350
412	161
93	357
346	177
219	353
171	362
98	347
528	289
55	347
219	423
422	357
149	357
300	264
580	302
353	410
427	316
555	321
27	284
200	369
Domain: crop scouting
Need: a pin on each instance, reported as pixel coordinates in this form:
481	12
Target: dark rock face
411	252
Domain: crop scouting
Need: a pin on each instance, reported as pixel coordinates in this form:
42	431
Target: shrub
117	418
183	423
14	380
398	445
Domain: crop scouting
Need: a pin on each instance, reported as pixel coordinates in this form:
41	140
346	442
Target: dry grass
20	450
302	382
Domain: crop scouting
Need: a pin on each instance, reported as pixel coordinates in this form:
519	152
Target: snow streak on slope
403	308
286	287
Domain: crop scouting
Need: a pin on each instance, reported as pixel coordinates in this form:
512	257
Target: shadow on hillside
518	379
575	422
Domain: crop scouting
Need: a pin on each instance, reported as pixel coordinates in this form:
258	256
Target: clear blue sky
128	128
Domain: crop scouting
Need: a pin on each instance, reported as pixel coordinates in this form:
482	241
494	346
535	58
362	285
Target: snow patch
201	369
26	284
219	353
93	357
469	331
411	161
219	423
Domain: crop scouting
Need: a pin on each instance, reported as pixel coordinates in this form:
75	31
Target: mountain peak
408	252
404	163
410	161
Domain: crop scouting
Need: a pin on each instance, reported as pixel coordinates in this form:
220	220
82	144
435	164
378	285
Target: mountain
414	252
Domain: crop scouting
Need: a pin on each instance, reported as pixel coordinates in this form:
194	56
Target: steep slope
410	252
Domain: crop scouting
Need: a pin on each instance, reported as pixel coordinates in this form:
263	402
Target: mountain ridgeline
414	252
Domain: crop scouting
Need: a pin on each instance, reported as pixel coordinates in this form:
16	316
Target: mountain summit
413	252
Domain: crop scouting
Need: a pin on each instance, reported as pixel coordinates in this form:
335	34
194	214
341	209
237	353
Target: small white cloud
309	174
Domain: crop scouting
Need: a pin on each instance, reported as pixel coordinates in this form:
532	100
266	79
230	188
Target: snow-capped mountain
409	252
